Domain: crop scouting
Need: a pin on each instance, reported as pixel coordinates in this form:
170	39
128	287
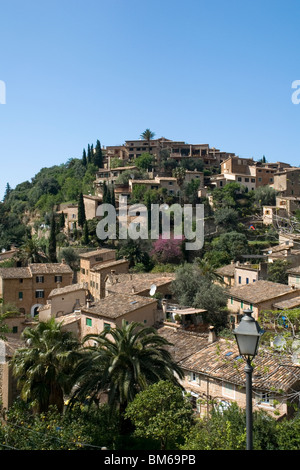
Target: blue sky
216	72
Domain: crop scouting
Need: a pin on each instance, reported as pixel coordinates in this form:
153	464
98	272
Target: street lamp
247	336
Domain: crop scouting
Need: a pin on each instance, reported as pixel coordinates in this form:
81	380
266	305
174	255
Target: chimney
212	337
88	303
133	290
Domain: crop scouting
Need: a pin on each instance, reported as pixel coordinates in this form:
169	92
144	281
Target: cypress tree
62	220
7	191
92	154
52	241
84	159
98	157
104	193
89	154
86	237
81	211
113	199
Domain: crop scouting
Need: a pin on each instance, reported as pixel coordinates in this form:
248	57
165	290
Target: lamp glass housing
247	335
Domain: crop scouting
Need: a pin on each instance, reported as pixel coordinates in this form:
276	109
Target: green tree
234	243
86	237
89	154
70	256
84	159
7	192
124	361
81	211
225	429
32	251
192	287
61	221
147	135
44	368
161	412
265	196
144	162
52	241
98	157
226	218
277	271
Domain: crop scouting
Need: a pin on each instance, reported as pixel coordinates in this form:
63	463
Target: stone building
28	288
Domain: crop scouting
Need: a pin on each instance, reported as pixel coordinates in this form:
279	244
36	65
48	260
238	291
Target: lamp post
247	336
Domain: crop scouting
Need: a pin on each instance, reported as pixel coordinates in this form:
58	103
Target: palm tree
124	361
147	135
208	270
32	251
44	368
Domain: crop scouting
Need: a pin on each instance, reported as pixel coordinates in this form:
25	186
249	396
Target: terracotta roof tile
260	291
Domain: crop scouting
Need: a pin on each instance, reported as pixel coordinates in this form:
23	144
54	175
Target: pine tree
52	241
98	157
81	211
84	159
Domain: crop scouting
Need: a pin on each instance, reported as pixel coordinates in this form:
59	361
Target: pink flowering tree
168	250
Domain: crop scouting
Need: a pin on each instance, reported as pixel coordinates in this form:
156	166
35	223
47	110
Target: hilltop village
53	267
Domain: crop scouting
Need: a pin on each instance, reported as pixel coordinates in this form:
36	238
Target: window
240	279
107	326
242	304
88	322
247	280
20	295
58	278
15	329
193	377
145	321
228	390
82	270
39	294
39	279
21	281
264	398
231	300
246	180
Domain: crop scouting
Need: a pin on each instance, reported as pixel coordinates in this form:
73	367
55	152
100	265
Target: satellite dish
279	342
152	289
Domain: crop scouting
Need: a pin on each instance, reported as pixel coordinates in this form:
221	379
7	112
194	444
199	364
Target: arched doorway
34	309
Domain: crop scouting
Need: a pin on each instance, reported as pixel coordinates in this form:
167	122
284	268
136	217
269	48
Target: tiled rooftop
66	289
33	269
50	268
260	291
139	281
90	254
114	306
220	360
